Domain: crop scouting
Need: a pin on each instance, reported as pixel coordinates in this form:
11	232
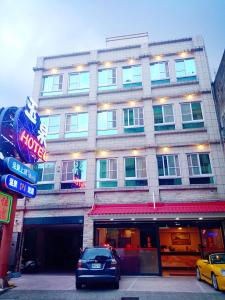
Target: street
62	287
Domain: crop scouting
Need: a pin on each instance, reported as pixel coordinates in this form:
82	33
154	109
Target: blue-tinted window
53	125
185	68
107	79
106	122
106	172
135	171
79	82
76	125
192	115
74	174
52	85
159	73
132	76
45	171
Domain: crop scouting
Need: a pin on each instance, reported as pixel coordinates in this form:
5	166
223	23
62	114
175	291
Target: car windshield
218	258
97	253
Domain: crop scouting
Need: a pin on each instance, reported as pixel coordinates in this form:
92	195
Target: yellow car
212	270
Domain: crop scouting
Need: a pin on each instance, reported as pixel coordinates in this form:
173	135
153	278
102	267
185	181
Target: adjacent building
135	159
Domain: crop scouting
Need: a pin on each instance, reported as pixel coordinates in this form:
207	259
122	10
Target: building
135	159
219	96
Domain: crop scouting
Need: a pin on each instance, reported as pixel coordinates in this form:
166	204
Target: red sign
33	145
5	207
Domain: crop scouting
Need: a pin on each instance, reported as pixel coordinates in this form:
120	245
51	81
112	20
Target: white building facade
135	159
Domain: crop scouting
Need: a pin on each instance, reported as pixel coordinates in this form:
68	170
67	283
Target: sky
32	28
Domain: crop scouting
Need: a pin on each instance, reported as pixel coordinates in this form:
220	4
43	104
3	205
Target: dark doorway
57	248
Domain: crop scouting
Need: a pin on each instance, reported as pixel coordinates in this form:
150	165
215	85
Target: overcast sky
31	28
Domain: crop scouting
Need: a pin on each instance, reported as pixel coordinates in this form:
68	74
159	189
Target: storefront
156	240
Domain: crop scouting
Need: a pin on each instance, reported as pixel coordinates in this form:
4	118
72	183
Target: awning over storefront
211	207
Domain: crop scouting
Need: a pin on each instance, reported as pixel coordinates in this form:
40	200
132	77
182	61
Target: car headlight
223	272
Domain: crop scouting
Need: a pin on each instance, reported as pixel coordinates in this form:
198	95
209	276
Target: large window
132	76
53	125
79	82
76	125
185	69
52	85
107	122
106	172
135	171
192	115
200	171
163	117
133	120
46	174
168	169
159	73
74	174
107	79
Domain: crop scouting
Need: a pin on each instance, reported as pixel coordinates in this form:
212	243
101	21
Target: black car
98	265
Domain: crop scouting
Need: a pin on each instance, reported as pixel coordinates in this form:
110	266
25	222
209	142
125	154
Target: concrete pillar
88	233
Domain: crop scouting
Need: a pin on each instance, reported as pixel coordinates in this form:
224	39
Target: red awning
160	208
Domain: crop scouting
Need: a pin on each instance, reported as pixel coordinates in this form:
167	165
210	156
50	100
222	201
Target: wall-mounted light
77	108
200	218
106	105
190	96
111	219
135	152
162	100
177	218
48	111
132	103
183	54
107	64
201	147
54	71
103	153
166	149
158	57
80	68
76	154
131	61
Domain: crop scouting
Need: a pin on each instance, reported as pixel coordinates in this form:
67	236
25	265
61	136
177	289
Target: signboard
17	185
22	133
13	165
5	207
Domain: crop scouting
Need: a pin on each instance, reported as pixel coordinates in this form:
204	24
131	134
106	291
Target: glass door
212	241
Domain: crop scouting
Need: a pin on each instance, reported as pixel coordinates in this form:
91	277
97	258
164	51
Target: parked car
98	265
212	270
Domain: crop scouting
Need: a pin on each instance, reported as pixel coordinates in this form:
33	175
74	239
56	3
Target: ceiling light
177	218
200	218
111	219
154	219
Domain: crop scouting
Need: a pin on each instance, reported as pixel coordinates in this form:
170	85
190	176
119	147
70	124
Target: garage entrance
55	248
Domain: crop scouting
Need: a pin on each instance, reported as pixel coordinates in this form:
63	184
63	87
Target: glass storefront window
136	247
212	241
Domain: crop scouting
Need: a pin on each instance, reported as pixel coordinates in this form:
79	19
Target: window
163	117
159	73
133	120
74	174
106	172
107	122
107	79
46	174
52	85
185	69
79	82
132	76
168	169
53	125
199	168
135	171
76	125
192	115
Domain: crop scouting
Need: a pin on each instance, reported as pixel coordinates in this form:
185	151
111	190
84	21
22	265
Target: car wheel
214	282
198	274
78	285
116	285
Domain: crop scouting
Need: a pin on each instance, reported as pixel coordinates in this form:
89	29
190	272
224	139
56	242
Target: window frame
74	131
47	181
58	91
166	68
133	126
176	168
184	60
71	181
190	105
111	84
135	178
84	89
107	170
49	116
130	67
107	111
163	114
199	165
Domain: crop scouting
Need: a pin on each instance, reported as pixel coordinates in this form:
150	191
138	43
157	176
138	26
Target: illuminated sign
22	133
5	207
26	139
11	182
12	165
78	182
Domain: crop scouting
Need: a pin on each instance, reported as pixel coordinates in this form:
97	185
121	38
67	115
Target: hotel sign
22	133
5	207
